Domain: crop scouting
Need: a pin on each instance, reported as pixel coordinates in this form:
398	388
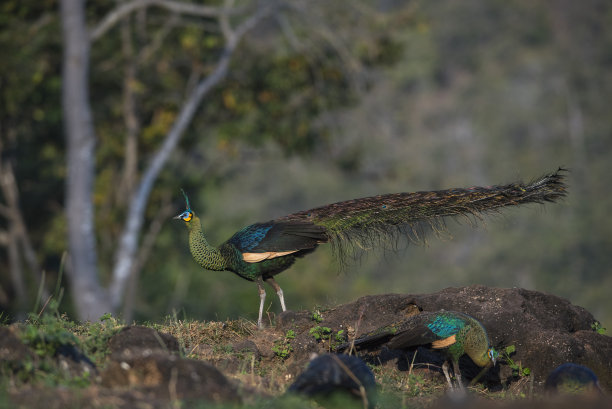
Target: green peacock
454	332
262	250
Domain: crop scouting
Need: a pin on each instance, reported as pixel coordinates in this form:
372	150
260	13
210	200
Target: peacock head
187	215
492	354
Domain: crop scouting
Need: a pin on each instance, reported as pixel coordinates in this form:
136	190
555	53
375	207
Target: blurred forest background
319	102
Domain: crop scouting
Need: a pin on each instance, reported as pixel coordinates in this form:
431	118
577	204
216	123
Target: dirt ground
233	363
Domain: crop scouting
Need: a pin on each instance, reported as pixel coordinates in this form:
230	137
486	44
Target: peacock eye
187	216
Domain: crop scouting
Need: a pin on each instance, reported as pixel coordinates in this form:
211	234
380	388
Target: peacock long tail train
367	222
262	250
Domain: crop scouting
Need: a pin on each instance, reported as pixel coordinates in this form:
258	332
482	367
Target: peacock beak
180	216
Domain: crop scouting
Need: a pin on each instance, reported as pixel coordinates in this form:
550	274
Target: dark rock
545	329
572	379
73	361
332	374
166	376
146	360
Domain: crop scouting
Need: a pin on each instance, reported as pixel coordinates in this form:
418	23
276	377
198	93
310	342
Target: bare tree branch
226	29
129	238
113	17
288	31
147	51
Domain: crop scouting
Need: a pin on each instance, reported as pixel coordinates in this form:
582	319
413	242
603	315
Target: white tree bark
90	298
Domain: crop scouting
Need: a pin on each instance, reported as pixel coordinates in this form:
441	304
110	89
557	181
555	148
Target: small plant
596	326
340	336
319	333
326	334
517	368
316	316
94	336
337	339
282	347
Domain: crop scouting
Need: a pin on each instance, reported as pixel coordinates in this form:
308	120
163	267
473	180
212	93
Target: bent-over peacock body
454	332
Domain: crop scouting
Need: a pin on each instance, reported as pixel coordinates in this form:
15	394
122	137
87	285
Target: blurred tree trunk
90	298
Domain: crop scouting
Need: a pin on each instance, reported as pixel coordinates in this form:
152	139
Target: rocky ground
232	364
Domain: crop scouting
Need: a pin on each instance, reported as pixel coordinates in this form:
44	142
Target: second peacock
262	250
453	332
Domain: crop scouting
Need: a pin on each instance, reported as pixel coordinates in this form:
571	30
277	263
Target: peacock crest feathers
187	215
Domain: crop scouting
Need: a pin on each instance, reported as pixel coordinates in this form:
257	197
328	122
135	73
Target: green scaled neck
206	255
476	345
481	359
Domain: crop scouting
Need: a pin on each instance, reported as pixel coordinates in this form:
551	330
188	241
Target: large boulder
546	330
148	361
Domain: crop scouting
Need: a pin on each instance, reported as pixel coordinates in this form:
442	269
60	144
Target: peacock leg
457	372
445	370
262	298
278	290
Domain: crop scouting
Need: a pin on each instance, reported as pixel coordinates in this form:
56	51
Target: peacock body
454	332
260	251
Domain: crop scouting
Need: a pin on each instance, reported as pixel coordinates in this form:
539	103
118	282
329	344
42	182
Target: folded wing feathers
257	257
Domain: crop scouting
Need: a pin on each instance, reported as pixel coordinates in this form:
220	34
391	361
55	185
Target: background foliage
428	96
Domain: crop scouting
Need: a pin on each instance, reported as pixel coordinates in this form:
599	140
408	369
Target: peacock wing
261	241
436	328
